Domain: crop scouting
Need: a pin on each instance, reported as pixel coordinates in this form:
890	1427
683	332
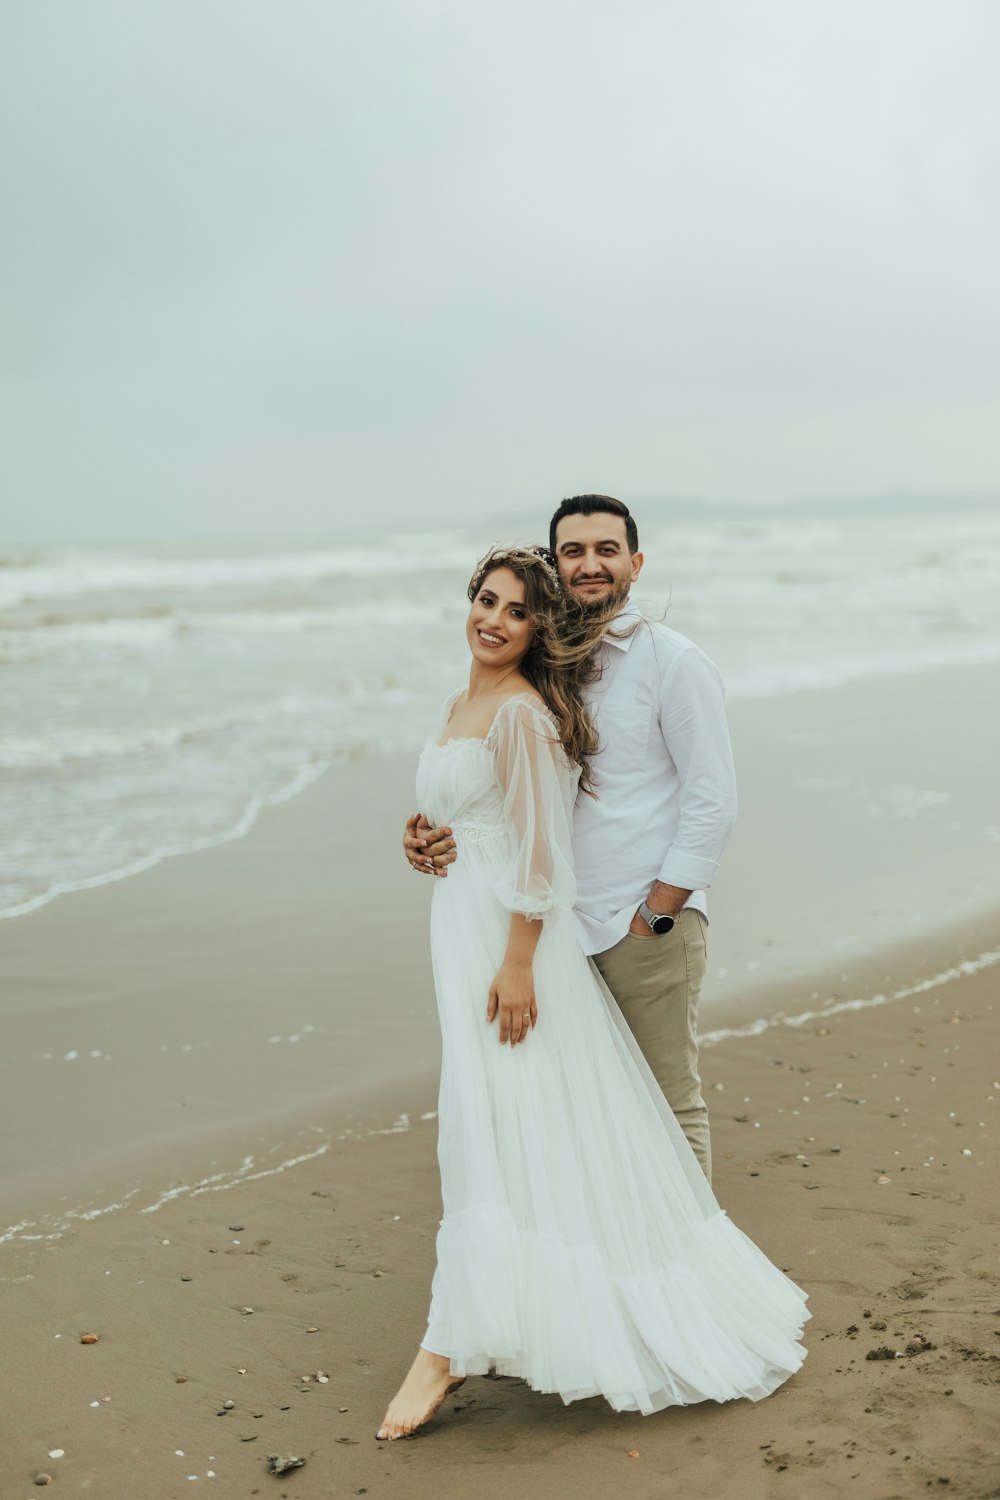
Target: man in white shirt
649	843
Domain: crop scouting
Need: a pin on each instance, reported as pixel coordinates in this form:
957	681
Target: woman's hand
512	998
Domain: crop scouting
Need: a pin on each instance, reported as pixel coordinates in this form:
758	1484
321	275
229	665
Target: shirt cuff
689	872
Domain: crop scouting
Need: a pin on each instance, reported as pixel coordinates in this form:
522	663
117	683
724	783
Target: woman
581	1247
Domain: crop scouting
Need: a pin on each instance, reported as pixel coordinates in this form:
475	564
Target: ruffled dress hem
720	1324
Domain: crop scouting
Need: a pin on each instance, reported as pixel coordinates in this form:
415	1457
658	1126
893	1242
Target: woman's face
497	629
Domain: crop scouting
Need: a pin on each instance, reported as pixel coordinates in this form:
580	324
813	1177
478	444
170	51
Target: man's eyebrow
608	541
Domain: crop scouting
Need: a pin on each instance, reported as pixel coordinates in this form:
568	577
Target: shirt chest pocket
623	731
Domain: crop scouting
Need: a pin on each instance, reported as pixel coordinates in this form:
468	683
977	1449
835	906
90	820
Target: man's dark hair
593	505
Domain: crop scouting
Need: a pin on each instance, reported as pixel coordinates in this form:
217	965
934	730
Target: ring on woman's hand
526	1016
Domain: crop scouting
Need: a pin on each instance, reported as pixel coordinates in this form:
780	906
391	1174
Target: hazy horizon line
876	504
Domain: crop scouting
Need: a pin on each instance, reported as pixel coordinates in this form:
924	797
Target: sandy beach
861	1154
232	1181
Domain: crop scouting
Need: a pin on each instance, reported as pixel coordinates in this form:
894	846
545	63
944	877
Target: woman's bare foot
428	1382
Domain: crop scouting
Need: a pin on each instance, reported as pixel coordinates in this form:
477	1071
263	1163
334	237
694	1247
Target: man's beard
606	607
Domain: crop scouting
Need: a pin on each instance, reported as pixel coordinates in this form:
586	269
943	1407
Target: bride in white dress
581	1247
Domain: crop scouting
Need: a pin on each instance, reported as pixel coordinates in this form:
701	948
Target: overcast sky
270	267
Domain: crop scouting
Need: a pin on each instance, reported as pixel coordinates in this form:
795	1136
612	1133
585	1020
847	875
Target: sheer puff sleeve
539	788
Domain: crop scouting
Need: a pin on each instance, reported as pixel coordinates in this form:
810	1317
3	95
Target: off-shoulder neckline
536	702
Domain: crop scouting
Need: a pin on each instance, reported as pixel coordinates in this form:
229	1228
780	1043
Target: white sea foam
803	1017
52	637
76	572
772	681
125	634
251	812
60	747
149	700
53	1226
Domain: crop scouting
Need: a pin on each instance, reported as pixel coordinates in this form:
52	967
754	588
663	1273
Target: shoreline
894	668
244	824
258	1146
267	981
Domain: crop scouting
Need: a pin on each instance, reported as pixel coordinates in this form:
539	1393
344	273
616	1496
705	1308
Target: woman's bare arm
512	993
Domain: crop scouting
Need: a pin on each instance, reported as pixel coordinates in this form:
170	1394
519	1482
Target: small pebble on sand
89	1338
279	1465
57	1452
43	1479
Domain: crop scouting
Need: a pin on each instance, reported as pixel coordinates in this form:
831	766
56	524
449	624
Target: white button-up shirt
666	789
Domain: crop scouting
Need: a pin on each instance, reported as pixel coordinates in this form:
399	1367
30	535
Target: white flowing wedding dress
581	1247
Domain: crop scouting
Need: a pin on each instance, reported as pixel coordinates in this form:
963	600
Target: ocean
156	698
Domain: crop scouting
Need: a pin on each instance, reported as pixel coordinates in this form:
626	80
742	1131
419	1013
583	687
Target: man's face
593	558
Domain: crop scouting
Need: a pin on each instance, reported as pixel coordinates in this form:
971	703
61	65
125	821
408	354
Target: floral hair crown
497	556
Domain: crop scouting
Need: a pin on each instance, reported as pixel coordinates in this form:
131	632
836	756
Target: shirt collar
630	614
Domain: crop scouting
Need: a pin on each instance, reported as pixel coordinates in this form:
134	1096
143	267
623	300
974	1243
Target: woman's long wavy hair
561	659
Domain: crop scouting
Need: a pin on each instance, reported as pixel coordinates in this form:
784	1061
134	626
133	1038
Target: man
649	843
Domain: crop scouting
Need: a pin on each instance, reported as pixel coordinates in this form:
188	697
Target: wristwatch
658	921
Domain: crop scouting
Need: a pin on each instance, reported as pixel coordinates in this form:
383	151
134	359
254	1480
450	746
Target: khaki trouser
656	982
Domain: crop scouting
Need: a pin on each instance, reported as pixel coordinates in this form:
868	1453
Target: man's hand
429	850
665	900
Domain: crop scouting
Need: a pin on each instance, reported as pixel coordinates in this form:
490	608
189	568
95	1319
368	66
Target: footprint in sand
831	1211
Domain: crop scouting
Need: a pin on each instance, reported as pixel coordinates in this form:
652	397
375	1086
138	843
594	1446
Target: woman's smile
498	625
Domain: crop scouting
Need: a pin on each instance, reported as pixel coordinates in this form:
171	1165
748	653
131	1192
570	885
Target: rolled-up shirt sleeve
695	732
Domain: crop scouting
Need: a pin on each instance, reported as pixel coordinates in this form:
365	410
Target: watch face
662	924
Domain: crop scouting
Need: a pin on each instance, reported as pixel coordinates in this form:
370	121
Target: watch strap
649	915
